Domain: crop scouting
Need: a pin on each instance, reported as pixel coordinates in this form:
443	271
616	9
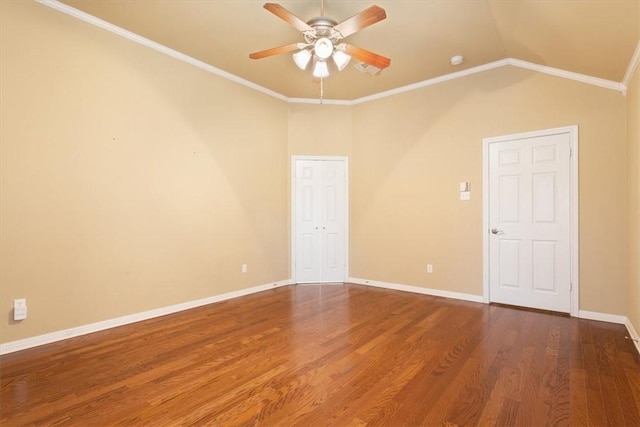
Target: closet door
319	220
332	220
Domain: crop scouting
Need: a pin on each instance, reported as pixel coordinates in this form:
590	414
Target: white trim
416	289
52	337
54	4
575	219
602	317
574	207
344	159
570	75
318	101
608	84
633	334
633	66
583	78
485	222
433	81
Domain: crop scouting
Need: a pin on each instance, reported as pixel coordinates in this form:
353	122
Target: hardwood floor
339	355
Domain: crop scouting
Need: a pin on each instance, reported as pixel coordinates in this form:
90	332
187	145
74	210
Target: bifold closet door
320	215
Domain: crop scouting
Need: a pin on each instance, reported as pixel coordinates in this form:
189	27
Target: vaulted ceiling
596	38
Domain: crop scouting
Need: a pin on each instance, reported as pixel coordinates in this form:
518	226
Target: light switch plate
19	309
465	195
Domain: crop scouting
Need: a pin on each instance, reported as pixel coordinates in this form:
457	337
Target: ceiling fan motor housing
322	28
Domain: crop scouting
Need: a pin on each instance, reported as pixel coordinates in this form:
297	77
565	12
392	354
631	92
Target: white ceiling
592	37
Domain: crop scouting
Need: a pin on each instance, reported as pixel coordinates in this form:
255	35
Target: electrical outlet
429	268
244	268
19	309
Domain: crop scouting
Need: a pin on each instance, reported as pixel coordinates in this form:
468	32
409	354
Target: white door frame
344	159
573	190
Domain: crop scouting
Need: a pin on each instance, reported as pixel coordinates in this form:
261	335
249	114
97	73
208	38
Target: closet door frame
292	218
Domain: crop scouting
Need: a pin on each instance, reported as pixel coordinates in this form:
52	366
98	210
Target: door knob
496	231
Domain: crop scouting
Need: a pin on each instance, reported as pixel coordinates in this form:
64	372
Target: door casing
294	159
573	190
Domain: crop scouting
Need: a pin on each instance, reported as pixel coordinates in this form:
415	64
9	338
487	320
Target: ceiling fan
321	40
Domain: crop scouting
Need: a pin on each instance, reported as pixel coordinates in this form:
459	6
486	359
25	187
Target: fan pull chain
321	89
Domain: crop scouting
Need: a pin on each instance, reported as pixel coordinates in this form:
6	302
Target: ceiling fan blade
362	20
275	50
284	14
366	56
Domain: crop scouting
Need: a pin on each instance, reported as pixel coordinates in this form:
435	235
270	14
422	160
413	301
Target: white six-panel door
529	221
319	216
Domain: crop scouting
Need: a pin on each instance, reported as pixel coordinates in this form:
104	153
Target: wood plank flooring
332	355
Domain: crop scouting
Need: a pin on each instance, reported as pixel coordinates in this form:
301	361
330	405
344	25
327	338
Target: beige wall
633	162
405	208
130	180
320	130
317	130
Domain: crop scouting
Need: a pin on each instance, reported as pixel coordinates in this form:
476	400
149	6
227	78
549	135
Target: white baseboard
416	289
582	314
633	334
602	317
51	337
613	318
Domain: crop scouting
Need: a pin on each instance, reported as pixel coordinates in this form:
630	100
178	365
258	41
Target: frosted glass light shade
321	70
302	58
341	59
323	48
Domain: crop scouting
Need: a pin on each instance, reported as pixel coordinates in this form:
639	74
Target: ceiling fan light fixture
320	70
322	37
341	59
323	48
302	58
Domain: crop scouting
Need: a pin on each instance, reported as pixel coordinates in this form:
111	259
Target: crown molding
433	81
318	101
633	66
54	4
607	84
570	75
